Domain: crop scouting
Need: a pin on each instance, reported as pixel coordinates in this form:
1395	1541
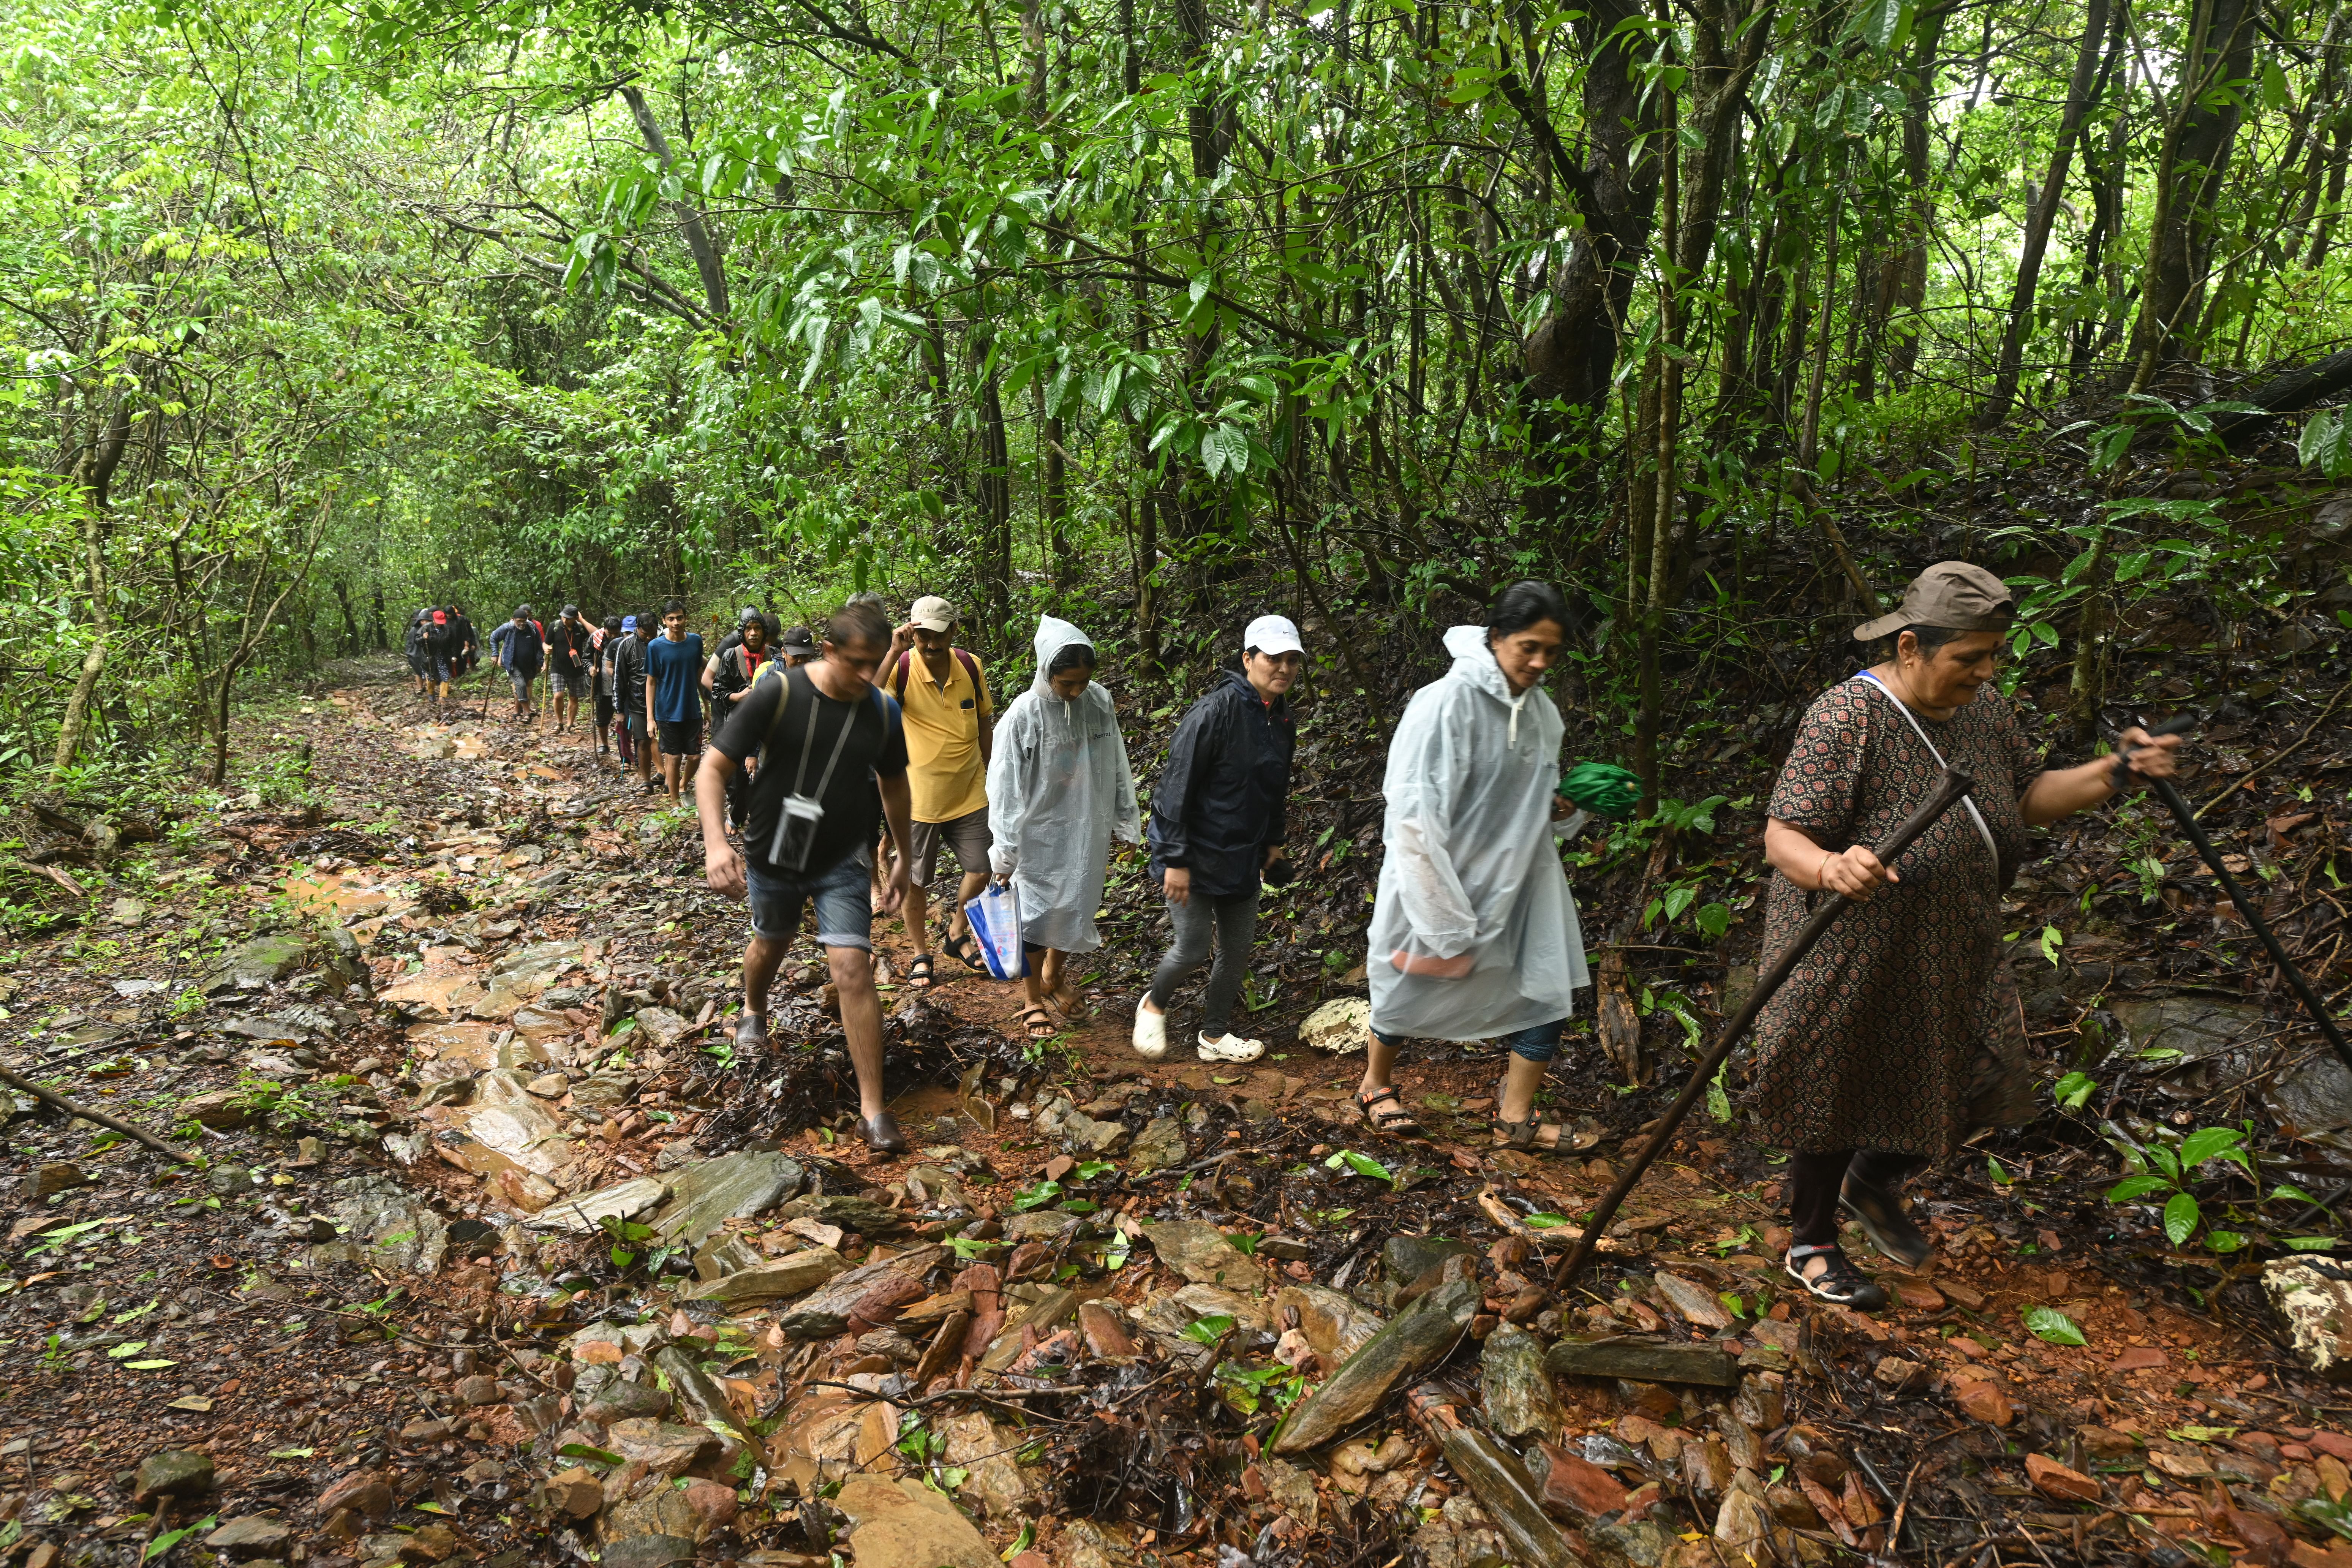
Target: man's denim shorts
844	897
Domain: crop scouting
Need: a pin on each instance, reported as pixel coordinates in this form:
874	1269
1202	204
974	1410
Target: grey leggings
1235	920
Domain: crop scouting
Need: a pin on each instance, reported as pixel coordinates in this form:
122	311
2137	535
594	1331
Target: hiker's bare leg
861	1021
761	957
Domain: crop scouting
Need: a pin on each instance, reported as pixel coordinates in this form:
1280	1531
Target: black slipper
1884	1220
882	1134
1840	1283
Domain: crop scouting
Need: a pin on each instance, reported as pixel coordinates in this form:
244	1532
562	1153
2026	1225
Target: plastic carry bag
995	918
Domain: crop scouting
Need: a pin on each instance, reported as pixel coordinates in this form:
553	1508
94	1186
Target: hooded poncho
1471	867
1058	789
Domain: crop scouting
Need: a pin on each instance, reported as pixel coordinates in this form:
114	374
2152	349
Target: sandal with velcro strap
1839	1282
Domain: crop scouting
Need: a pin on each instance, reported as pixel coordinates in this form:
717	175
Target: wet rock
1982	1401
2311	1098
792	1274
1744	1529
2197	1026
57	1178
584	1212
603	1397
1500	1483
986	1453
2317	1308
662	1027
2054	1480
1338	1026
1040	1317
1519	1395
1417	1339
860	1216
733	1186
363	1492
222	1111
260	960
1407	1259
698	1399
1200	1253
532	969
507	1117
1762	1401
1643	1361
1897	1375
1576	1487
255	1535
905	1524
653	1550
175	1473
827	1311
663	1449
1158	1147
1040	1225
575	1493
602	1091
383	1225
475	1390
229	1178
1695	1302
1086	1545
1104	1333
661	1511
1336	1324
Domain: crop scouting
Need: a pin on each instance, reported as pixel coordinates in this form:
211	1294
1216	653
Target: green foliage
2050	1323
2173	1171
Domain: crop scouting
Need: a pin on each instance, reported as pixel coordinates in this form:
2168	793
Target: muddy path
496	1252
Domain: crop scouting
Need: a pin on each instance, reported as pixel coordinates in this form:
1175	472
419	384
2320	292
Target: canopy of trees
1140	307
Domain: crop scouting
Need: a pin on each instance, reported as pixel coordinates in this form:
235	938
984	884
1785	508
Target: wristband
1821	873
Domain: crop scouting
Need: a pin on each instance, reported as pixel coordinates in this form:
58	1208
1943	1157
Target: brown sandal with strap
1398	1122
1521	1135
1040	1023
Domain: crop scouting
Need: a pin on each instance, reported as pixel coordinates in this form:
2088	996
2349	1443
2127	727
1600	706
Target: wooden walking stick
1949	789
2311	1005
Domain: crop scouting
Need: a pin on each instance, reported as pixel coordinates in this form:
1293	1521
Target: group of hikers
848	762
653	690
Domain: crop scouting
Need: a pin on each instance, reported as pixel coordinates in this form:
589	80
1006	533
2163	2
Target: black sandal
1039	1023
1883	1218
1396	1123
961	948
918	973
1840	1283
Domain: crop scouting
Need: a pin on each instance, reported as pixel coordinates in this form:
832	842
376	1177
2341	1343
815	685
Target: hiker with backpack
728	674
949	718
832	764
603	644
417	647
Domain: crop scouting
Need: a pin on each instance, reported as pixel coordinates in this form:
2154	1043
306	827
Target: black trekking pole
2311	1004
1947	792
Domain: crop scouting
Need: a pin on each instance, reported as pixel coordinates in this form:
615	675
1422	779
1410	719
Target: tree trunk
2191	167
2041	217
691	224
995	492
351	624
1919	214
100	456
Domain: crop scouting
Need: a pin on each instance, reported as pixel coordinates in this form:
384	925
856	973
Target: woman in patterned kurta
1874	1057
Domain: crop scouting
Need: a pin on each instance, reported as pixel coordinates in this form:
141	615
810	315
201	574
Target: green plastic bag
1603	789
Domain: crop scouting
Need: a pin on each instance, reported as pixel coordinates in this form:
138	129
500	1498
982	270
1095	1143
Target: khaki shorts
967	834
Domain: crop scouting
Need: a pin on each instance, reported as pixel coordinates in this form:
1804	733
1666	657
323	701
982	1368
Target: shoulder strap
1983	831
775	719
970	668
899	672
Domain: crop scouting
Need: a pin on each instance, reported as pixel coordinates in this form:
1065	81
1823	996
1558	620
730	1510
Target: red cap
440	618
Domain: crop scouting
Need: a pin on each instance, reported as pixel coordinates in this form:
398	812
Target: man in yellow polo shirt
950	726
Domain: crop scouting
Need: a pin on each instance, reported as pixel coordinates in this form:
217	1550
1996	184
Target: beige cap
932	612
1952	594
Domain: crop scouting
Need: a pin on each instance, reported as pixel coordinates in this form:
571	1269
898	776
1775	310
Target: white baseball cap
1272	634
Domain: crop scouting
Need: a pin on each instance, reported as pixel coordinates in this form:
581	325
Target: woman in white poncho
1058	789
1473	933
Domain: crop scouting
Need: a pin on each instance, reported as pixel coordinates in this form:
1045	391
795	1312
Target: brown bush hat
1952	594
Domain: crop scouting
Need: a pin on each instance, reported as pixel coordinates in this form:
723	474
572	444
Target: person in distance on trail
1475	933
445	652
571	649
951	720
629	690
603	644
1059	788
674	696
517	648
727	678
1218	816
833	760
416	648
1899	1032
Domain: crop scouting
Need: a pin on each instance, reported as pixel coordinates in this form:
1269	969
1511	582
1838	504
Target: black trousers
1814	1181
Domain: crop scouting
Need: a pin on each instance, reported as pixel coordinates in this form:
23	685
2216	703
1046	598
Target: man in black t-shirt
571	657
822	734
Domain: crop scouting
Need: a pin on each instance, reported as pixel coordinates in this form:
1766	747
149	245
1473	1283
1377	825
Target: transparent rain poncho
1472	893
1058	789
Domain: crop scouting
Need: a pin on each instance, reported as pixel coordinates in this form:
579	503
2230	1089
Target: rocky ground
486	1247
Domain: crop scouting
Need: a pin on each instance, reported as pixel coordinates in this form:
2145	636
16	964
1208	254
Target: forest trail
363	1318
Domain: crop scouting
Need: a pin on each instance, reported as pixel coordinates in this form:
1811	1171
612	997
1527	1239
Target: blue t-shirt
676	670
